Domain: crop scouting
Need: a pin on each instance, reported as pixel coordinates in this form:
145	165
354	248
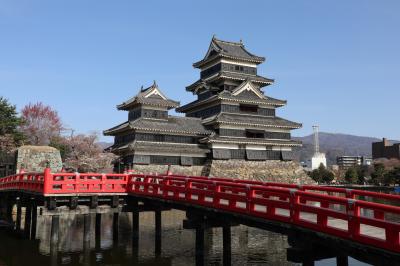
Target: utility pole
316	139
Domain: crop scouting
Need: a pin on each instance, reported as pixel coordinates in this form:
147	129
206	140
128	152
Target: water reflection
115	246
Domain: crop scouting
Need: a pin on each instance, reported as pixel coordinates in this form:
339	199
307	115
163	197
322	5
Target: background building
345	162
384	149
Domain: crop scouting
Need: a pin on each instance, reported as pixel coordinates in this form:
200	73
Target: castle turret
231	103
151	136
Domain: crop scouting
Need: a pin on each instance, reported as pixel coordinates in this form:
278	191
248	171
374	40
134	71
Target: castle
231	118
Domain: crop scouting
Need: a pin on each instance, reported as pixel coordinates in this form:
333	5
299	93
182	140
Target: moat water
250	246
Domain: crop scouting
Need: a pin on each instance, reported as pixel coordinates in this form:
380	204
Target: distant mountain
334	145
104	144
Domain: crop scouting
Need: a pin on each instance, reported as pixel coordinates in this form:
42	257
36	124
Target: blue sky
336	62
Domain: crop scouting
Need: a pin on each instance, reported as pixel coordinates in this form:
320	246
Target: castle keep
231	118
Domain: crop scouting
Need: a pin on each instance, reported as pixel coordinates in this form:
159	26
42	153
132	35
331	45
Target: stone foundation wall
271	171
162	169
268	171
35	158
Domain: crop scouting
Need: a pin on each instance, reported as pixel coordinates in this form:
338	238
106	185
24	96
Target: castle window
239	68
255	134
248	108
159	138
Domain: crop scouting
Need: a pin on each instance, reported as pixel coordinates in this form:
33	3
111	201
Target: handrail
341	192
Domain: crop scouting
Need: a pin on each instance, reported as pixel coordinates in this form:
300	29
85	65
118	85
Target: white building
318	157
316	161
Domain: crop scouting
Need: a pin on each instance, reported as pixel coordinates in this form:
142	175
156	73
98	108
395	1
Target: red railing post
188	188
78	183
103	182
47	181
249	202
380	215
294	205
216	199
392	238
353	214
350	193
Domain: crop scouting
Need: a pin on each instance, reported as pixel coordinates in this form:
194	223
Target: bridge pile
354	215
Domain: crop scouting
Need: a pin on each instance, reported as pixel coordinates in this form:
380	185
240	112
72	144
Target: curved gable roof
232	50
149	96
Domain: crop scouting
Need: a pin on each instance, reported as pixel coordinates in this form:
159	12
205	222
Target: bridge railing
81	183
339	216
48	183
32	182
334	191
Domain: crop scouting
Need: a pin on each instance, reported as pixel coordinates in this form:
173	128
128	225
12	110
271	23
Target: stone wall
162	169
35	158
270	171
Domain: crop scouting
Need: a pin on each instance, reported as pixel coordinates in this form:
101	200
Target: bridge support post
34	220
98	230
55	227
200	245
94	202
158	229
10	205
86	228
135	224
115	227
73	203
28	219
342	261
3	207
226	237
19	214
135	234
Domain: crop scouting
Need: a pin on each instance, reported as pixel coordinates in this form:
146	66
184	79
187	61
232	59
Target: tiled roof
154	100
233	50
119	128
242	76
174	124
256	120
230	75
241	98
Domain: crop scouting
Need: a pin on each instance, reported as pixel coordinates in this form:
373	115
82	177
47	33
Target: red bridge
363	219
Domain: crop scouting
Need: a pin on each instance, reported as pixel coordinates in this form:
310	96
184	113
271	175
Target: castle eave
286	143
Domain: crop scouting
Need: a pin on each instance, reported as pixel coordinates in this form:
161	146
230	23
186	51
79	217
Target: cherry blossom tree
84	154
40	123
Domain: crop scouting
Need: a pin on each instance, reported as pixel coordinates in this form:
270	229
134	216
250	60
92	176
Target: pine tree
10	136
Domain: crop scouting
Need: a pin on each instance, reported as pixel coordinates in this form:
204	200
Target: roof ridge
228	42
